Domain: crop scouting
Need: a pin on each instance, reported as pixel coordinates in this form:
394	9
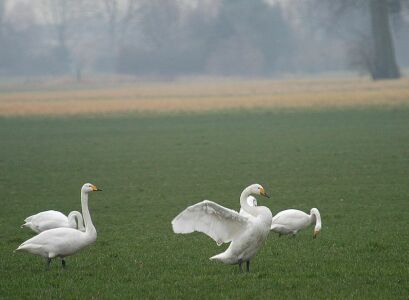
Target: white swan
290	221
62	242
252	201
224	225
54	219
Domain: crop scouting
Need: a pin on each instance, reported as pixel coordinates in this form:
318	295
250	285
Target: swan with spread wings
245	234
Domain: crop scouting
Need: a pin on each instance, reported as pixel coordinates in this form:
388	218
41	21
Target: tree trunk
384	61
2	2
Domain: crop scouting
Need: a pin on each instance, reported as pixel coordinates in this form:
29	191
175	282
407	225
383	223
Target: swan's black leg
63	263
248	266
241	269
48	263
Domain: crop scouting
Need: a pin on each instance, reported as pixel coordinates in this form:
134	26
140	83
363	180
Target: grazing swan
54	219
224	225
252	201
290	221
62	242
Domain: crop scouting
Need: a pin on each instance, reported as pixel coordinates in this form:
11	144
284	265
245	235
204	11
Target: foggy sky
166	39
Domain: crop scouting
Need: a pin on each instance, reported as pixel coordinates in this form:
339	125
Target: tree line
166	39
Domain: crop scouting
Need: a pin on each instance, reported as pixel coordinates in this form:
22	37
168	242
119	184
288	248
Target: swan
246	234
290	221
53	219
252	201
62	242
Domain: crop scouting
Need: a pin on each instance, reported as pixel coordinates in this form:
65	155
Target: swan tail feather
219	257
21	247
27	224
28	247
18	249
28	219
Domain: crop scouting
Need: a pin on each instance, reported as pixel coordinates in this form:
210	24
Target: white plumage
54	219
291	221
246	234
220	223
252	201
62	242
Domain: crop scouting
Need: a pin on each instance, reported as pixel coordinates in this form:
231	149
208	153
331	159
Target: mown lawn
353	164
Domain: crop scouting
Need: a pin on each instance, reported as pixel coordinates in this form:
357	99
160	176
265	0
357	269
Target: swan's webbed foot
240	267
63	263
248	266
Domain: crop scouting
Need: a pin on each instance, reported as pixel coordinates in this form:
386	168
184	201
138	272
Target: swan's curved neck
89	227
75	218
315	214
244	205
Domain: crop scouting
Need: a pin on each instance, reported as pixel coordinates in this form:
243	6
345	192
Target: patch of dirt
202	96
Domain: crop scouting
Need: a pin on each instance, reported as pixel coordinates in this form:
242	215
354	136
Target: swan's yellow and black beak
263	193
95	189
316	232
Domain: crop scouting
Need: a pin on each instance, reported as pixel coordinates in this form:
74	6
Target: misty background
166	39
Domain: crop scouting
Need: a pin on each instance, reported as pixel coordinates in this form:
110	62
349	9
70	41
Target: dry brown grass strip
202	96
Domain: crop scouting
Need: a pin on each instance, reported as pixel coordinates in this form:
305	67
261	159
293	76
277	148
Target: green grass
351	164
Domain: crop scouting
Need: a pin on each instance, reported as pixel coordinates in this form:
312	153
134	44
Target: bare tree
384	60
2	12
57	14
119	15
73	46
374	47
111	10
160	21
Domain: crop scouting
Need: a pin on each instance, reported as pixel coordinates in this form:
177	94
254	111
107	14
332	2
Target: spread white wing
218	222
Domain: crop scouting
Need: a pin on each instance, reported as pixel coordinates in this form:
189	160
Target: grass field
351	163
